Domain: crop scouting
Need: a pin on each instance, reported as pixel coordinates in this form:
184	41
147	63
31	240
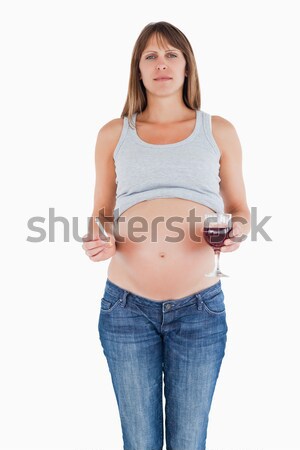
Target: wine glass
216	229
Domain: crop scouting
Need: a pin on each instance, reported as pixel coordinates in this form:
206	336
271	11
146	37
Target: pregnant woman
159	168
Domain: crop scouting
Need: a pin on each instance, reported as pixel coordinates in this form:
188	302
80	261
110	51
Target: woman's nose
161	66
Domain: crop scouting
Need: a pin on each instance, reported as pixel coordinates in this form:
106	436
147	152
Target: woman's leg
134	350
194	346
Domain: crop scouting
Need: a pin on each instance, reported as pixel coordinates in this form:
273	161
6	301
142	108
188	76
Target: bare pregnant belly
161	252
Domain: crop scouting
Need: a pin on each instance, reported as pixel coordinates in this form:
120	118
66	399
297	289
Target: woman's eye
169	54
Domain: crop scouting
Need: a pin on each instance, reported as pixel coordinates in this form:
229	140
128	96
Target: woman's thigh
134	351
194	346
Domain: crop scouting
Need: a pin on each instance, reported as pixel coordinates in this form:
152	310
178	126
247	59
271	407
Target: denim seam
113	306
145	315
216	313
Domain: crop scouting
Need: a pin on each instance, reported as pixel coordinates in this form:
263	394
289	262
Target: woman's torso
156	267
160	262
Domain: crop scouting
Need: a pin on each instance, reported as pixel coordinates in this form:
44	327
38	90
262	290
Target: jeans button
168	306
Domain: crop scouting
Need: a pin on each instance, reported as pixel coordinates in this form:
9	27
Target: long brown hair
165	33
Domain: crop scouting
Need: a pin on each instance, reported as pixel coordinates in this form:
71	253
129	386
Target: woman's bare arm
105	183
232	187
104	195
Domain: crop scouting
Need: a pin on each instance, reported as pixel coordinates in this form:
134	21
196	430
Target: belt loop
199	301
124	299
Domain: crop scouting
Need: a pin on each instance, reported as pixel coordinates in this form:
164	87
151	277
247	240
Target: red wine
215	236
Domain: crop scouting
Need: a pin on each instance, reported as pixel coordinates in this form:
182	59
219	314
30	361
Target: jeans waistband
115	290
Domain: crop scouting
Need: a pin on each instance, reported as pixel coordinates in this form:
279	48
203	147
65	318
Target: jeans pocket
109	303
215	305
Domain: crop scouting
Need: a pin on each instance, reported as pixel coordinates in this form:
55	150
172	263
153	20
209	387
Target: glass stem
217	260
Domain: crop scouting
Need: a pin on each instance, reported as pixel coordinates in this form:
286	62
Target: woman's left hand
229	245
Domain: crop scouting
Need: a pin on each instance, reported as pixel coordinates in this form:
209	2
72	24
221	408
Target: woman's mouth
162	79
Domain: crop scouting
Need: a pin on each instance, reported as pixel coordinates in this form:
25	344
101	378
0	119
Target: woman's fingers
104	253
96	244
234	240
235	233
94	251
230	247
97	249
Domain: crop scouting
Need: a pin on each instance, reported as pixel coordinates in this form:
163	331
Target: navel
162	254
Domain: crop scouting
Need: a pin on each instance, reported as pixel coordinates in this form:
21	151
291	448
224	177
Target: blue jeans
185	340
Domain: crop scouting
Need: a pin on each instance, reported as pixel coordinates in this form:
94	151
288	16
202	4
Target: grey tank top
188	169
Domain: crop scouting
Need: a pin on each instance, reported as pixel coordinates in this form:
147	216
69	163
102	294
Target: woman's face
158	62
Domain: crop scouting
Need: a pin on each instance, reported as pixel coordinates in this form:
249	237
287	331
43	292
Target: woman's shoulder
224	132
112	129
113	125
221	124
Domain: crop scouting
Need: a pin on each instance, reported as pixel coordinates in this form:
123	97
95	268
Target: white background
65	71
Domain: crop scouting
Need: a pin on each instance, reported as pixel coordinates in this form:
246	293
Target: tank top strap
205	121
122	136
198	125
207	129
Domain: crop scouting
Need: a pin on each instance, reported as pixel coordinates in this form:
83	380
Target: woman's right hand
97	249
